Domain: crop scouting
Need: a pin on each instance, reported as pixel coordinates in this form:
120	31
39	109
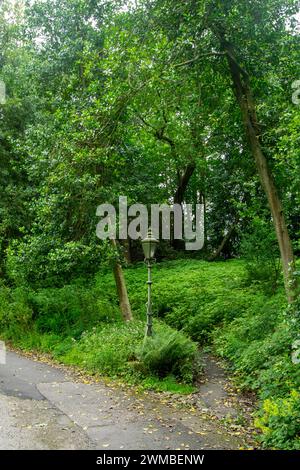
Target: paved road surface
44	407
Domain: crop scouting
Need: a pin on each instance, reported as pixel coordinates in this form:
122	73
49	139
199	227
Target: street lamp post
149	247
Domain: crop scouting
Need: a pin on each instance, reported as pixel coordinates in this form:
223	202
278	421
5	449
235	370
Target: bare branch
198	57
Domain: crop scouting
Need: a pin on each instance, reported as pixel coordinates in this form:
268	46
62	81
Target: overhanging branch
198	57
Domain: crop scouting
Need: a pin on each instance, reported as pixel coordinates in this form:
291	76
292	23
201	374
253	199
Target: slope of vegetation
212	303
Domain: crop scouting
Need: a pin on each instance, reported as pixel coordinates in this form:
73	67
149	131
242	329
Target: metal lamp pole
149	246
149	331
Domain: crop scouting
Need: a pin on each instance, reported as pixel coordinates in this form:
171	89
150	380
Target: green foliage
169	352
109	349
118	351
189	295
79	324
71	309
42	262
100	108
258	345
66	311
279	420
259	248
167	384
16	316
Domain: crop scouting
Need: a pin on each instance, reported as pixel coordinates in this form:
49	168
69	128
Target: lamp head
149	245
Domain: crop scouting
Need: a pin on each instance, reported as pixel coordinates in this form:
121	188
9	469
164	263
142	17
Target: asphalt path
45	407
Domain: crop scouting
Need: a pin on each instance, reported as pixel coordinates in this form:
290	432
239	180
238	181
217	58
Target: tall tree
246	35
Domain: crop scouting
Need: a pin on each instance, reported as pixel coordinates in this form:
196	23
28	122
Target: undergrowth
208	303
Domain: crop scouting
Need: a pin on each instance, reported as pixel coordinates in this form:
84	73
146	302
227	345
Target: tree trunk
127	250
226	238
202	200
183	181
243	93
121	289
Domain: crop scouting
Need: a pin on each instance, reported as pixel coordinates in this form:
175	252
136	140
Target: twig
198	57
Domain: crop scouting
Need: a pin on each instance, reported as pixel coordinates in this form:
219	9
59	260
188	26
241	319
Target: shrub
15	313
107	349
70	309
44	261
169	352
279	420
117	350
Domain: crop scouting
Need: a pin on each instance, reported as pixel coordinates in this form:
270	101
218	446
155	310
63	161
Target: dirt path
48	407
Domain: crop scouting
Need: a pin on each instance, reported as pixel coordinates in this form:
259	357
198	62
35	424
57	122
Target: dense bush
16	315
71	309
42	261
64	311
107	349
169	352
258	345
280	422
119	350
